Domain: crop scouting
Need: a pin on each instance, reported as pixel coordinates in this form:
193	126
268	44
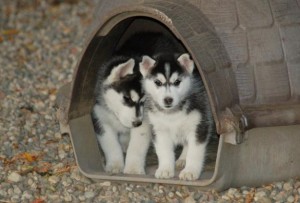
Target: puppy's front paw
187	174
133	169
180	163
164	173
114	167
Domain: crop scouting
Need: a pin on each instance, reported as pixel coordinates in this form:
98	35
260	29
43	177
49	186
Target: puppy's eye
127	99
177	82
158	83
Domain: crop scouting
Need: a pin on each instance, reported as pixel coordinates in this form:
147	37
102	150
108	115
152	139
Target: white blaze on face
134	96
115	102
167	70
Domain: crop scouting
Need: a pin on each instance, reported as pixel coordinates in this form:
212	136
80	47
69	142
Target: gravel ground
39	43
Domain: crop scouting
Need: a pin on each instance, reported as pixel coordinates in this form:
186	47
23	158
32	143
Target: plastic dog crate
248	55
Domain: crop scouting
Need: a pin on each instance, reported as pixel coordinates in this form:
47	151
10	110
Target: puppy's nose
136	123
168	100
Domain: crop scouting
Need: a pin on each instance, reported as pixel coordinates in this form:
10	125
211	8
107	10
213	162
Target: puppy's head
167	78
123	94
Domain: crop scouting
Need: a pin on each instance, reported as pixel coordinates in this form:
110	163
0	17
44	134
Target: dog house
248	55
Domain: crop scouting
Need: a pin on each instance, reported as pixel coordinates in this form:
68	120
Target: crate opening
119	34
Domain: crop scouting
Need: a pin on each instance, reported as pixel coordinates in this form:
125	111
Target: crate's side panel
267	155
86	148
290	35
263	41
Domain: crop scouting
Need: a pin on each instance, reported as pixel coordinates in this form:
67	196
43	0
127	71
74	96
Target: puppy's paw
180	163
164	173
133	169
114	167
187	174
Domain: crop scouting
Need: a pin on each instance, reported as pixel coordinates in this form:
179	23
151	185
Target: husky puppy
178	111
118	114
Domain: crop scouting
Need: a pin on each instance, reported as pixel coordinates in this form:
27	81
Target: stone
287	186
290	199
17	190
264	200
190	199
105	184
53	180
178	194
67	197
14	177
89	194
171	194
27	195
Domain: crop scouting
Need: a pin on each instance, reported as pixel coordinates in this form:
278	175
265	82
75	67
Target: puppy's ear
120	71
146	65
186	62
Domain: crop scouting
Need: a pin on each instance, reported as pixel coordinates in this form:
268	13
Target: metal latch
233	127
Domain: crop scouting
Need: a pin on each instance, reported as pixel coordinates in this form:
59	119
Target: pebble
67	182
27	195
89	194
128	188
290	199
264	200
171	194
10	191
225	197
81	197
190	199
53	179
178	194
114	189
53	196
67	197
279	185
14	177
3	193
17	190
287	186
232	191
260	194
15	198
30	181
105	184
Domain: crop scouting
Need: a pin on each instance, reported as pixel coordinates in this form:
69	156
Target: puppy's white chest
177	125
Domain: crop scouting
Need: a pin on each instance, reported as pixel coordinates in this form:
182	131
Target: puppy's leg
180	162
194	160
124	141
112	150
166	158
140	139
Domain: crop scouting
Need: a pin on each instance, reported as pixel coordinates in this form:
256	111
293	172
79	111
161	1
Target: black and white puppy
118	116
178	111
